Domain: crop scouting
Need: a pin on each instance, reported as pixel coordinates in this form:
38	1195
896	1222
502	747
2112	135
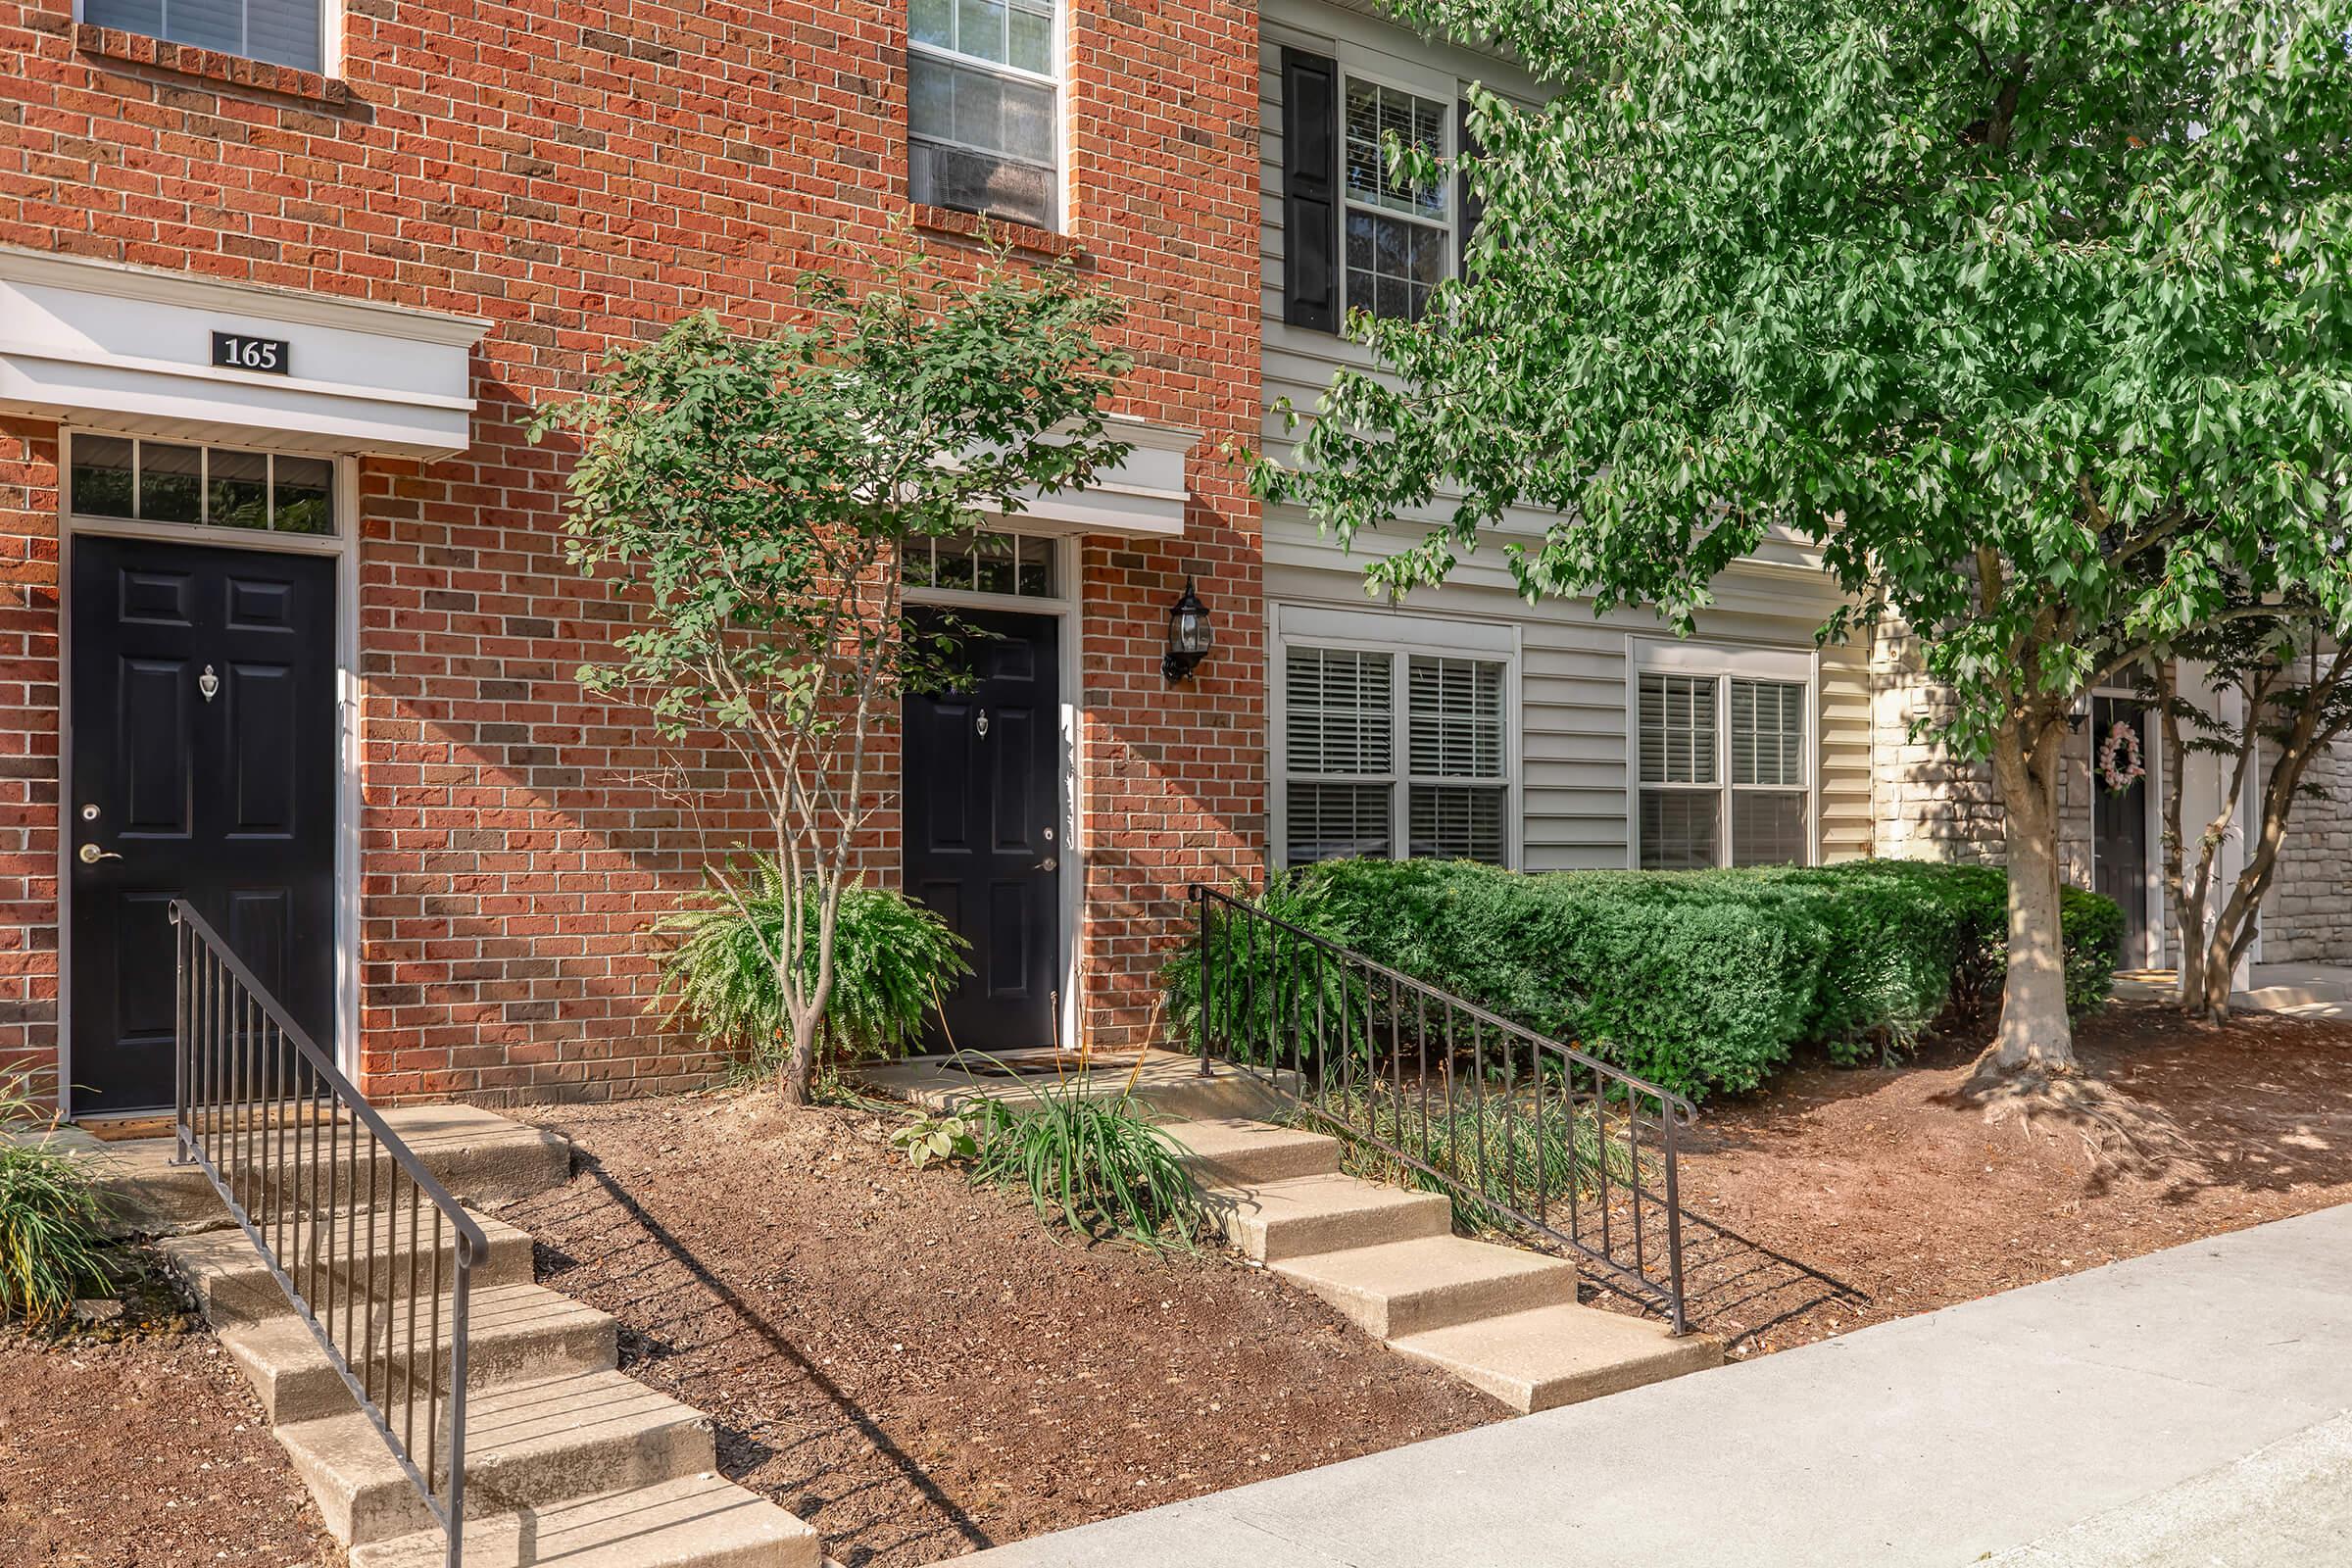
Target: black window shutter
1310	191
1472	207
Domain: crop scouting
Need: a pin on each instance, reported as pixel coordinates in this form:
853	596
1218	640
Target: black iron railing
1525	1133
366	1244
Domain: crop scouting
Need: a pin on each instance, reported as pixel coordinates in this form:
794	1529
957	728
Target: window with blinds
282	32
1380	751
1768	788
1723	771
1456	786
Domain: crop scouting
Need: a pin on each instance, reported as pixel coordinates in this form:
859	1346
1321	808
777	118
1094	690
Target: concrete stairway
1502	1319
567	1460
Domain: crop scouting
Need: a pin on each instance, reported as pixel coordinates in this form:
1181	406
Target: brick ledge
996	230
210	65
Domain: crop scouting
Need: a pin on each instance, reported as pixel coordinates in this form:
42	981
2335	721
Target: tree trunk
796	1076
2035	1030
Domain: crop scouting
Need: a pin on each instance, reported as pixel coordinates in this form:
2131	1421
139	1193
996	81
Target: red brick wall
28	753
582	176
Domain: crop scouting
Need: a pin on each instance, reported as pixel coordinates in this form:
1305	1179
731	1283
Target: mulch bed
134	1443
1911	1191
911	1364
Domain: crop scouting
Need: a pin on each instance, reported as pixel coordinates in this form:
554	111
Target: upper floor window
983	108
1724	763
283	32
1399	235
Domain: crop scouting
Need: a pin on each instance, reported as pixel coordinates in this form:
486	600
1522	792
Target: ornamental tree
748	496
2031	319
2292	699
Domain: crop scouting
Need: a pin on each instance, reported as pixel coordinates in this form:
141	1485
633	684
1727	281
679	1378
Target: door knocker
982	724
208	683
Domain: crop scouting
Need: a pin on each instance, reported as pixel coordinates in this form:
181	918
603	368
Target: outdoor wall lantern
1189	636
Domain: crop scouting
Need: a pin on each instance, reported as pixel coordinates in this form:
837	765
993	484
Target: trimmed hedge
1701	980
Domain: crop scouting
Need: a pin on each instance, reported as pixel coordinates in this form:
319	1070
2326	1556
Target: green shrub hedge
1701	980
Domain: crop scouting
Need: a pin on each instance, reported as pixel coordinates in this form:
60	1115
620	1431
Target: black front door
2119	820
203	768
982	797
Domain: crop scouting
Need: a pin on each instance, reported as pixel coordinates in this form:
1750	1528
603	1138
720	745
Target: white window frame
1400	638
1450	99
1057	82
1721	663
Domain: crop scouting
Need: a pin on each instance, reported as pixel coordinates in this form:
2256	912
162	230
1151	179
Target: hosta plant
926	1139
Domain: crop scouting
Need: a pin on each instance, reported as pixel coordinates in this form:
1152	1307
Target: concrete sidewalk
1933	1440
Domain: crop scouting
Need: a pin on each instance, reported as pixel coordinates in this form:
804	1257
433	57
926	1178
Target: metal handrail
278	1130
1404	1067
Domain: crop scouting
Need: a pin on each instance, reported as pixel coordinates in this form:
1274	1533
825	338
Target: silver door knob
91	854
1049	863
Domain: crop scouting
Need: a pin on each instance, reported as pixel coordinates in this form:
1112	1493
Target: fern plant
52	1217
892	960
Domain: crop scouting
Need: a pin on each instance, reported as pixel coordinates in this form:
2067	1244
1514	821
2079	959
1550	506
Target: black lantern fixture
1189	636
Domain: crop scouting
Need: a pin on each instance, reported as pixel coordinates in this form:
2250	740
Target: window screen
283	32
982	108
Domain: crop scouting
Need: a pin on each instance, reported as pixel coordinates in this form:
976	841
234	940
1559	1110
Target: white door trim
344	548
1065	606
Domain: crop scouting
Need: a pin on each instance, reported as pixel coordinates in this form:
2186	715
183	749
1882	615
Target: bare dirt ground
1917	1192
138	1445
912	1364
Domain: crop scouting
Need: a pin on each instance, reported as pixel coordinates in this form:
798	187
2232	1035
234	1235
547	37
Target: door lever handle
91	854
1049	863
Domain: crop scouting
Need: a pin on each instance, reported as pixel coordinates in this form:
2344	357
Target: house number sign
234	351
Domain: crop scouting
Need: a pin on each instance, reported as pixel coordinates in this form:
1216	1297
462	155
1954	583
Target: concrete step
1236	1152
1168	1082
233	1285
515	1334
1431	1282
697	1522
1553	1355
1300	1215
479	1155
526	1444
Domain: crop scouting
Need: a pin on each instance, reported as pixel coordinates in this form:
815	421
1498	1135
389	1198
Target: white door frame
343	547
1065	606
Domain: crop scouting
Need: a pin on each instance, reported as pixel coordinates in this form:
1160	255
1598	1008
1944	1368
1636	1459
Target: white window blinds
1382	749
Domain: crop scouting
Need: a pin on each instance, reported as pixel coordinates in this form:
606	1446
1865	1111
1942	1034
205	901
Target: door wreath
2119	756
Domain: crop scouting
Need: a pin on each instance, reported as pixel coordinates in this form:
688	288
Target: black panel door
204	769
982	797
2119	821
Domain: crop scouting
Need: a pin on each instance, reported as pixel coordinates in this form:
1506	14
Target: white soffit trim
133	347
1143	498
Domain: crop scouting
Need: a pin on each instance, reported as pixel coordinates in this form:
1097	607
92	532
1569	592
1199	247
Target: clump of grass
52	1242
1099	1166
1493	1146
